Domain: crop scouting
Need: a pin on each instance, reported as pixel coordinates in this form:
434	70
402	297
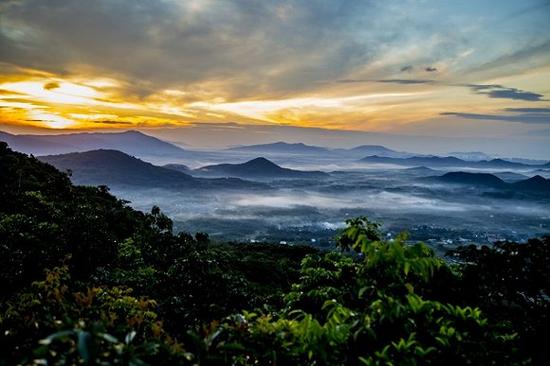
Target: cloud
524	115
9	92
394	81
352	81
108	122
233	48
405	81
499	91
528	110
52	85
529	55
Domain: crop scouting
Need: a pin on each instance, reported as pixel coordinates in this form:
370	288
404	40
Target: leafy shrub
366	310
96	325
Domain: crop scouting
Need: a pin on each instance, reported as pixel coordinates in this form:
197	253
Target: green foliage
93	326
44	218
359	230
511	282
370	311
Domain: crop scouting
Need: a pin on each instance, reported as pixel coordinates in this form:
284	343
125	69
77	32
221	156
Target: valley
299	194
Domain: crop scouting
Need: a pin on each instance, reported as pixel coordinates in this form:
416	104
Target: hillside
130	142
84	236
259	168
474	179
114	168
88	280
178	167
536	184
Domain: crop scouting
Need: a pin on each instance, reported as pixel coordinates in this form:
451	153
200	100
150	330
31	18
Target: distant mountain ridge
178	167
130	142
257	168
470	155
447	161
478	179
378	150
115	168
281	147
536	184
142	145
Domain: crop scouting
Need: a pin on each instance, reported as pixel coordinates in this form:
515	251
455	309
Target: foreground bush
379	308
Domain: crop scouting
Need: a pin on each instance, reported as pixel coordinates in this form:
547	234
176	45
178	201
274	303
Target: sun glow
263	109
52	120
60	92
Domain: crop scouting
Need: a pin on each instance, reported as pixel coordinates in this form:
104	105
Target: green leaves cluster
377	308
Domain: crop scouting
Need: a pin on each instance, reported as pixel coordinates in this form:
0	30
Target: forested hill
88	280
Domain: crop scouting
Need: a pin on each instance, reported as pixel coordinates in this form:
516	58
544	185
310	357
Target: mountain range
141	145
448	161
115	168
130	142
259	168
303	149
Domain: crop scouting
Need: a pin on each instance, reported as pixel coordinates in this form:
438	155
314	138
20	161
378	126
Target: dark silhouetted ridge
536	183
115	168
257	168
112	167
484	179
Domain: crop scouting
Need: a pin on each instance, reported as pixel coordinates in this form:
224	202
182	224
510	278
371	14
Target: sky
472	70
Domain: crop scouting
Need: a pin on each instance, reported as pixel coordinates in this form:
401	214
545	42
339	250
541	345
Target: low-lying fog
310	211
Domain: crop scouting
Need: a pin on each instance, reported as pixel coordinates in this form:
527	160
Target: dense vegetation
88	280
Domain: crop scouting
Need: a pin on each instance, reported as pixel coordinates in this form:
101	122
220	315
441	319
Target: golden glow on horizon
269	110
59	92
52	120
54	102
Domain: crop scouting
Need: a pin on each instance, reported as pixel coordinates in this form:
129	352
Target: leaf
130	337
108	338
407	268
84	340
137	362
48	340
233	347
